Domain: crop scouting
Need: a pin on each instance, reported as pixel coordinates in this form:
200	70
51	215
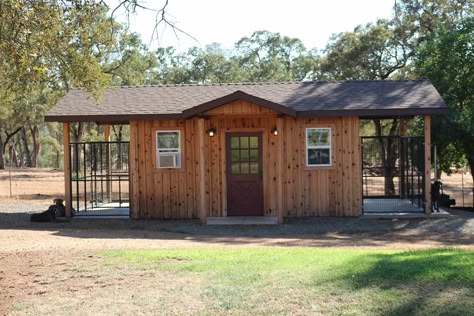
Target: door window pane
235	168
244	168
253	142
253	154
254	167
244	155
234	142
244	142
235	155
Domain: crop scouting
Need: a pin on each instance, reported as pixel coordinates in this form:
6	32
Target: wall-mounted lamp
275	131
211	131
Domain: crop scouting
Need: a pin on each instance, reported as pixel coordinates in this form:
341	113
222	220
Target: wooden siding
240	107
290	188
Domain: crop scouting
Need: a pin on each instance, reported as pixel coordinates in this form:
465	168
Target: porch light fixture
211	131
275	131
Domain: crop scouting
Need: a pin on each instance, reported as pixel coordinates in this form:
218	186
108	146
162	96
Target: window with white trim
318	147
168	149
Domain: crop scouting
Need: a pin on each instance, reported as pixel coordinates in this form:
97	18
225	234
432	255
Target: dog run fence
393	173
99	178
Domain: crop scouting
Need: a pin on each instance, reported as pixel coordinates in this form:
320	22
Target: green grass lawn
307	281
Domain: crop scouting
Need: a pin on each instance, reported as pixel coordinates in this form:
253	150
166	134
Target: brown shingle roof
315	98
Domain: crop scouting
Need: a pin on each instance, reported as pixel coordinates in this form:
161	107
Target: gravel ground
15	215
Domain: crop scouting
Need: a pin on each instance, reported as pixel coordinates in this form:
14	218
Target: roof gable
238	95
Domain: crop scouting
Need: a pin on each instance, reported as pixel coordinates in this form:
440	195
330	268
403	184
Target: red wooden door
244	174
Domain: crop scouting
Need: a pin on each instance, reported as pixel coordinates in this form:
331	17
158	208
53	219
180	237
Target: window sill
316	168
169	170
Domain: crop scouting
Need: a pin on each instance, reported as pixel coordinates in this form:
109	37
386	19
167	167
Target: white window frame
328	146
174	152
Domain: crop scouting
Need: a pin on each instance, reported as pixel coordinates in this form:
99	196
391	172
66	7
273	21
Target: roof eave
374	112
111	118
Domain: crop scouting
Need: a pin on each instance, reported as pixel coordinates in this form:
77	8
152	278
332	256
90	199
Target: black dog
56	210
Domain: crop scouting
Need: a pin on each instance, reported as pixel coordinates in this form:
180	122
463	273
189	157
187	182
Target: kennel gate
99	178
393	173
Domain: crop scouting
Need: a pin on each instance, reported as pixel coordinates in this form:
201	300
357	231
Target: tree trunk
388	154
18	153
2	160
119	137
24	149
470	160
58	152
36	145
4	144
77	130
13	156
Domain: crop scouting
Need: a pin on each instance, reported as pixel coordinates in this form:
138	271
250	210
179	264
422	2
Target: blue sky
226	22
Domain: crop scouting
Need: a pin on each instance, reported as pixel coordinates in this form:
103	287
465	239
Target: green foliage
212	65
419	19
130	63
45	48
370	52
50	152
266	56
447	59
56	42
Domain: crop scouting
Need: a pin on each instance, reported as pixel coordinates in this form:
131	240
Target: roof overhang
200	109
112	119
366	113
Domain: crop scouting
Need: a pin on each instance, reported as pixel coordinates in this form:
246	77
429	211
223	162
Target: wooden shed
280	149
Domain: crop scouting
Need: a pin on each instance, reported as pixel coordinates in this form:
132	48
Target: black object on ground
55	210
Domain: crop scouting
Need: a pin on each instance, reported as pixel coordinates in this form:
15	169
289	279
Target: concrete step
243	220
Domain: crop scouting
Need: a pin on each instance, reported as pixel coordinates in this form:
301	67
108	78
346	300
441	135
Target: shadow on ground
451	231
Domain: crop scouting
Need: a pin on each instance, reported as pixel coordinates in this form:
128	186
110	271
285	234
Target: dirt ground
37	259
61	259
31	183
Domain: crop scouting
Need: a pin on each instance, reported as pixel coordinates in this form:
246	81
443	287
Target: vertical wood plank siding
289	186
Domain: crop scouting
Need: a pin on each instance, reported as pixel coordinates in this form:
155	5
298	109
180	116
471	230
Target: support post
279	157
402	149
108	164
427	132
201	132
67	170
133	171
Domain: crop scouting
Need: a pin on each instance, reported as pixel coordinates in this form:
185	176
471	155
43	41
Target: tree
131	63
268	56
212	64
48	46
418	19
370	52
447	59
